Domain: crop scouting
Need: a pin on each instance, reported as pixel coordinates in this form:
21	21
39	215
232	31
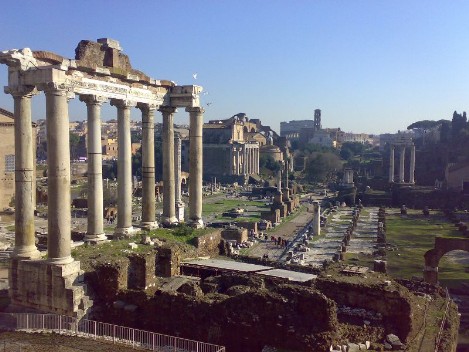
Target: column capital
147	107
167	109
195	109
21	91
90	99
53	88
123	104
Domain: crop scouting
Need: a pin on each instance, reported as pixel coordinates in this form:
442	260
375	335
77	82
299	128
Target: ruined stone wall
239	312
391	303
209	244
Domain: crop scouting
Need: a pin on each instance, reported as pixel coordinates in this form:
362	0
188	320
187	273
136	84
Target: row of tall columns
402	151
195	168
245	160
58	163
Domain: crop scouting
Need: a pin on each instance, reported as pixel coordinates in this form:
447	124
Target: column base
61	261
169	221
29	252
95	239
196	223
149	225
121	232
42	286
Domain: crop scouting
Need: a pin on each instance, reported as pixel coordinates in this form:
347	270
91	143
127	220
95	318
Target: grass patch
182	233
221	206
415	234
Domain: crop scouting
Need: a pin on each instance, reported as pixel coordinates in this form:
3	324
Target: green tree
322	167
74	145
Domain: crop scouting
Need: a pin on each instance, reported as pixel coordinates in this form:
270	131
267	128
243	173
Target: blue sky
370	66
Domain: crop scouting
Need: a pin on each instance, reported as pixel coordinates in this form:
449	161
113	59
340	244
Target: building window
10	163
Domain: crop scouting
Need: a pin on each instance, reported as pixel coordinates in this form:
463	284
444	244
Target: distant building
7	158
317	120
292	129
323	138
404	138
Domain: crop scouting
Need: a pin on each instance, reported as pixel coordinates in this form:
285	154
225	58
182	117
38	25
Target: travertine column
25	188
124	168
58	176
95	231
148	166
401	164
195	166
412	165
391	164
177	173
169	201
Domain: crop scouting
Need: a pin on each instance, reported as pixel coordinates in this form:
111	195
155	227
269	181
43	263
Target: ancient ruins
99	73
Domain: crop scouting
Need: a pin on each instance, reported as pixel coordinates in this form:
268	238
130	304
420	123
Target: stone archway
433	256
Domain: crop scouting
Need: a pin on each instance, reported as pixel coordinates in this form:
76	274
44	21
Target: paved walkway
287	231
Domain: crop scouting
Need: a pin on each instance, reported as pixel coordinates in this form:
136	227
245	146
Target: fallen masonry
248	310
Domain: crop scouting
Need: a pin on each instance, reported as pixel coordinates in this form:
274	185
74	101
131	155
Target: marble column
401	164
391	164
58	176
195	166
124	168
25	189
177	176
95	230
169	200
148	166
412	165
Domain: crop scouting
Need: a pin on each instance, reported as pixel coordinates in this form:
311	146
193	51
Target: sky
371	66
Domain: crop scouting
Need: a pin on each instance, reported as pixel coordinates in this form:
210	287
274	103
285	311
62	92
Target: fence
443	321
103	331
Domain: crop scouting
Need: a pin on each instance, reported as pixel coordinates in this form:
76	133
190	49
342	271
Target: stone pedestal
180	211
38	285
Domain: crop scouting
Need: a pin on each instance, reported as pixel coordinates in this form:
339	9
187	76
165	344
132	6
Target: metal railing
443	321
103	331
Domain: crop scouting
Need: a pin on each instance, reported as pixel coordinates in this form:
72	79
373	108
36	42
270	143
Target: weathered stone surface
46	287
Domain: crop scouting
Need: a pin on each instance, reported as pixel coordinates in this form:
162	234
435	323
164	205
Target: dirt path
287	231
